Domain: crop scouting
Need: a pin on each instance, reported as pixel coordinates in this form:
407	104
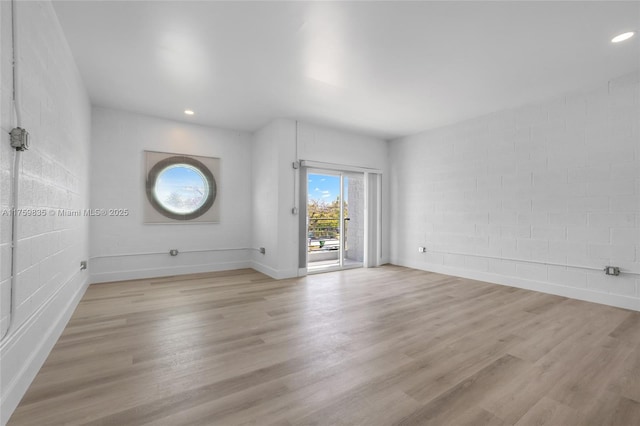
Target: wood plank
389	345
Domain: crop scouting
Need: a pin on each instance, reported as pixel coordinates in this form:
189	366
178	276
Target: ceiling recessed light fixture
622	37
189	112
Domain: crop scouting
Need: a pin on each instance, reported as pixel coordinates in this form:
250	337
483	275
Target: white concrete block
625	236
534	249
566	219
567	158
550	178
623	253
581	258
599	251
624	82
550	205
453	260
561	250
532	272
501	121
560	140
589	204
612	187
533	218
498	167
625	203
531	115
569	277
489	182
598	104
627	169
612	220
516	204
622	285
589	174
477	263
515	231
548	233
534	162
555	109
517	181
540	134
503	217
575	111
502	267
578	234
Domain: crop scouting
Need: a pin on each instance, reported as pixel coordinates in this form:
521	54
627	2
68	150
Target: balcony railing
323	234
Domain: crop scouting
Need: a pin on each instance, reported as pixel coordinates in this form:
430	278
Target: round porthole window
181	188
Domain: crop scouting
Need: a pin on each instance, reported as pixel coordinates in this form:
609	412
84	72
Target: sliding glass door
335	220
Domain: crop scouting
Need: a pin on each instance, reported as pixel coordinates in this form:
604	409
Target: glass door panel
335	220
323	220
353	219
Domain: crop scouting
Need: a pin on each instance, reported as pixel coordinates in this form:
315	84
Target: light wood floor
371	347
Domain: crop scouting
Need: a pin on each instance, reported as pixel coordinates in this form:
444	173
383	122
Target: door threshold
331	268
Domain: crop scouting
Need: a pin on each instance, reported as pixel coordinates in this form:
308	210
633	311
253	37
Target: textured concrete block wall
54	176
555	182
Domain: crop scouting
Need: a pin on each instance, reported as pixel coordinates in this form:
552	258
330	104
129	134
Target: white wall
55	174
557	182
119	140
274	151
256	192
267	208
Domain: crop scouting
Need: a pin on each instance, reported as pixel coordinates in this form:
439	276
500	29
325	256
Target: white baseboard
103	277
28	344
283	274
543	287
262	268
278	274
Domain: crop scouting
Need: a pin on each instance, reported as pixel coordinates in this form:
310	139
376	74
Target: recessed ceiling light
622	37
189	112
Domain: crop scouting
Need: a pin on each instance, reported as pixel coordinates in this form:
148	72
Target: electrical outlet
173	252
422	249
19	139
612	270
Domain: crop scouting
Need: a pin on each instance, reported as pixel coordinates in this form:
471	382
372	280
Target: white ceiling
382	68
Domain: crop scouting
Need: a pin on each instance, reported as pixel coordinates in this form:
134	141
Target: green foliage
324	218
